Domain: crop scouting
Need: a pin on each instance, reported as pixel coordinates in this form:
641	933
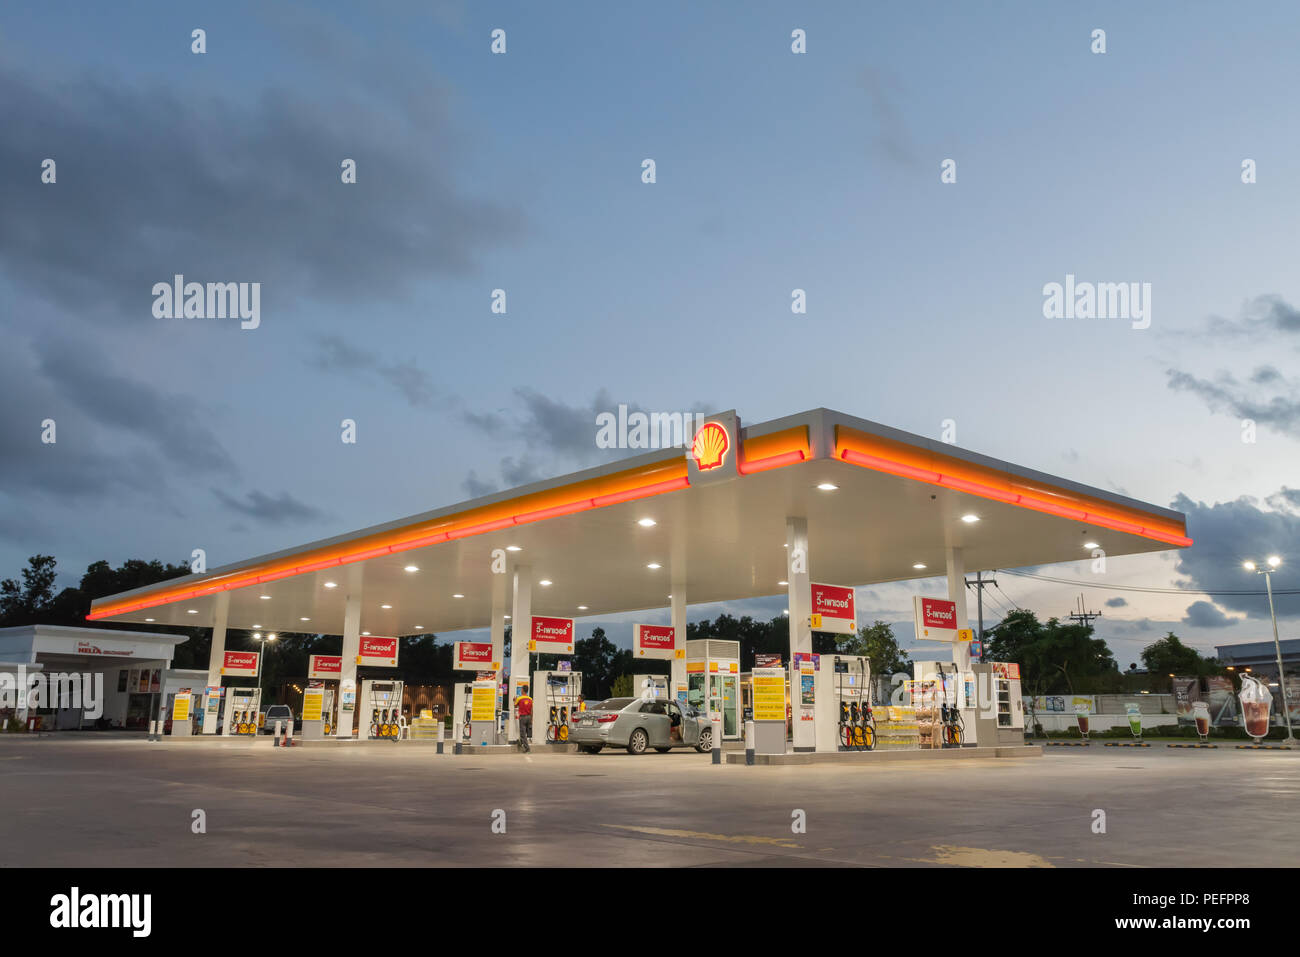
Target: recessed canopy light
827	487
191	611
419	627
255	626
654	566
331	584
582	608
264	597
150	619
304	619
783	583
545	582
365	633
647	522
919	565
1091	545
412	568
385	606
457	596
513	548
970	518
507	617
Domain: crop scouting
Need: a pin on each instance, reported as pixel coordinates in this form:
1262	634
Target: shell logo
710	446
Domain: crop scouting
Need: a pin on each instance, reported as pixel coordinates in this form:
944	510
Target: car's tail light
606	718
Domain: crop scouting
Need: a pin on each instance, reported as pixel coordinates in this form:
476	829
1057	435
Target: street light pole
1267	572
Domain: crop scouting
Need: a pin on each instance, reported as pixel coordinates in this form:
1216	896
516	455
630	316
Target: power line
1151	589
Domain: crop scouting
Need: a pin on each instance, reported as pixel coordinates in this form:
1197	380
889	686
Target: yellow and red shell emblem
710	446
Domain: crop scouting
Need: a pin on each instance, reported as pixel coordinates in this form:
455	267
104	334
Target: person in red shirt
524	712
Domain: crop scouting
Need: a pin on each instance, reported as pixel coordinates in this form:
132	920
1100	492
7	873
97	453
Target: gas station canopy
881	505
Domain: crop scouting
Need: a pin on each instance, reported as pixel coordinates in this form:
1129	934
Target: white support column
216	655
348	672
521	626
497	631
799	596
677	669
957	595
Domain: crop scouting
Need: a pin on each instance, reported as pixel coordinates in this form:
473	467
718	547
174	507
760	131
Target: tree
1053	657
1169	656
25	604
876	643
597	658
621	687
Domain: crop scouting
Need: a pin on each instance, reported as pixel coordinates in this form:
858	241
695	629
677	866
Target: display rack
897	729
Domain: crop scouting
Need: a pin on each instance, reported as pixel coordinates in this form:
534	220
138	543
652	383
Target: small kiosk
713	682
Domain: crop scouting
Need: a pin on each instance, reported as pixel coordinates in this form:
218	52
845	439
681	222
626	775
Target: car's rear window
613	704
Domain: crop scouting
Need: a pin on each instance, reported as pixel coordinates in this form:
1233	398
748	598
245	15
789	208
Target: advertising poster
181	706
807	697
1293	698
1223	701
472	656
155	680
240	663
832	609
483	702
765	660
1187	691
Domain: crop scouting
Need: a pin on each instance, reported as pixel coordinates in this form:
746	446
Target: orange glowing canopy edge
923	465
626	486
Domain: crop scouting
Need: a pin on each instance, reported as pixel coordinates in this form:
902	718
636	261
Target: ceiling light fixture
647	522
827	487
970	518
412	568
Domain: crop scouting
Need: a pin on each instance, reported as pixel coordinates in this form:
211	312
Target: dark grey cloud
1116	603
282	509
1205	614
1263	314
409	380
152	182
554	436
1229	533
173	423
475	487
1227	394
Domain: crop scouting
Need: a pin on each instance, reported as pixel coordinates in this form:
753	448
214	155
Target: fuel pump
385	702
241	711
855	727
562	690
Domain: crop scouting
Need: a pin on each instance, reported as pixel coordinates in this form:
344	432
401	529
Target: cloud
1116	603
1228	533
152	183
1205	614
1267	313
555	436
409	380
281	510
1227	394
475	487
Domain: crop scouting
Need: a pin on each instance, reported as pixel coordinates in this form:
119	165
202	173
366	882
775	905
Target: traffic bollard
717	741
749	742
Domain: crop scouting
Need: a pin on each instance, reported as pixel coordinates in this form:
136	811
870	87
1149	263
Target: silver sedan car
637	724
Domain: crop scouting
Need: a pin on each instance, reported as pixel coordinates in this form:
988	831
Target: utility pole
980	584
1082	617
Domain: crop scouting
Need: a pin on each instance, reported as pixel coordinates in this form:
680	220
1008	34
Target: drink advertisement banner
1187	691
242	664
1223	701
324	666
769	694
935	619
832	609
472	656
654	641
380	652
552	636
764	660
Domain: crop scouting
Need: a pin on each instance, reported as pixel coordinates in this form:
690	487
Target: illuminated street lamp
261	658
1267	571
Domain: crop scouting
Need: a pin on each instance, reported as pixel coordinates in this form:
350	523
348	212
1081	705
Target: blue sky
521	171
